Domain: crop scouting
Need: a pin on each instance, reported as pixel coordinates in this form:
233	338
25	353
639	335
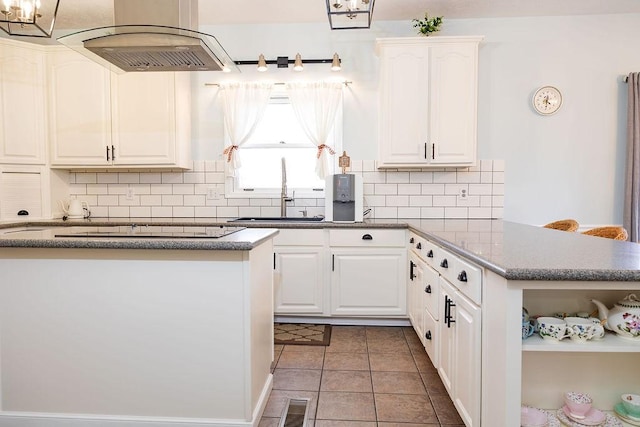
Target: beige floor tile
447	413
343	406
304	348
346	361
408	425
356	381
300	360
401	408
433	383
278	400
333	423
297	379
348	332
387	345
351	345
269	422
398	383
422	361
392	362
384	332
412	339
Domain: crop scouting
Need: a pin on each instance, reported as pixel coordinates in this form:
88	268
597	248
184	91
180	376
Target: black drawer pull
430	254
462	276
367	237
444	263
411	240
428	335
428	289
419	246
411	265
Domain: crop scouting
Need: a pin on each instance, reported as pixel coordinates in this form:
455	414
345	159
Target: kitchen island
135	331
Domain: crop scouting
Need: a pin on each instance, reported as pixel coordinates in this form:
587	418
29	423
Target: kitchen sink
278	219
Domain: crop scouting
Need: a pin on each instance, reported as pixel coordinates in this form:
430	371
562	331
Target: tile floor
367	377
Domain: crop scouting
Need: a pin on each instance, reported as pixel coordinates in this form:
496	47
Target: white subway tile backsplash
407	193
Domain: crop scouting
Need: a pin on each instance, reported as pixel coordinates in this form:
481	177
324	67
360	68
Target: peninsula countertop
512	250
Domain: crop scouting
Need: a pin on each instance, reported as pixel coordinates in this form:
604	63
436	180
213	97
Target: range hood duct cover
131	46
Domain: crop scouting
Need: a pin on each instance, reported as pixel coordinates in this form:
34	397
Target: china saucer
591	418
533	417
610	420
552	420
622	413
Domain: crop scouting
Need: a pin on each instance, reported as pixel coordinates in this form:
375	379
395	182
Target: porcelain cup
527	329
599	330
581	330
552	329
578	403
631	403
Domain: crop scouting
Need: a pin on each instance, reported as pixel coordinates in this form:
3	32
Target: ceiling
82	14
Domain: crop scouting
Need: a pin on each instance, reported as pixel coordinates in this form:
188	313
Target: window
279	135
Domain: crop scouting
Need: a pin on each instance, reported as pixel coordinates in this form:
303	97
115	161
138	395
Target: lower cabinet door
414	293
446	338
298	280
369	282
431	338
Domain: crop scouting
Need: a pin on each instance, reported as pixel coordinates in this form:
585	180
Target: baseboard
344	321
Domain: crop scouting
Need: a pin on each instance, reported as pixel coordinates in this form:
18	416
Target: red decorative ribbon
322	147
229	152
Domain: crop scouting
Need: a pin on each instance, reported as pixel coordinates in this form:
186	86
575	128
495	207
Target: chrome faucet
283	192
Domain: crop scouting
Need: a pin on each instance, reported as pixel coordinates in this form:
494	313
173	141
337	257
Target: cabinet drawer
431	253
431	291
468	280
430	338
367	237
299	237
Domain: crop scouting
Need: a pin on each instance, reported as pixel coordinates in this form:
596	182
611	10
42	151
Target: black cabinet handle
419	245
367	237
428	289
448	318
108	153
333	263
425	150
462	276
411	265
113	152
274	260
411	240
444	263
428	335
433	151
430	254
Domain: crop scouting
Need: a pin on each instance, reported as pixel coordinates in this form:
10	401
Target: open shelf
610	343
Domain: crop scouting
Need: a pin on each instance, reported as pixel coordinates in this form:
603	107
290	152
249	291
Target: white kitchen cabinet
415	306
299	279
368	272
23	136
428	101
100	119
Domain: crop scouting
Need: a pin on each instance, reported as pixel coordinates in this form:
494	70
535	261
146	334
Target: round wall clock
547	100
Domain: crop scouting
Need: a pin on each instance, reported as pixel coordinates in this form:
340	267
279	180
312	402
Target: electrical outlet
130	193
463	194
212	193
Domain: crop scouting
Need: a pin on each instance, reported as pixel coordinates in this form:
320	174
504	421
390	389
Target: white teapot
75	208
623	318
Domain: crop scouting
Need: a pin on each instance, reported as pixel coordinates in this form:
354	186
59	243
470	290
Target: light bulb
297	65
262	64
335	64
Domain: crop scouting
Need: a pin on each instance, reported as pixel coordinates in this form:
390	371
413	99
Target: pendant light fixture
349	14
28	18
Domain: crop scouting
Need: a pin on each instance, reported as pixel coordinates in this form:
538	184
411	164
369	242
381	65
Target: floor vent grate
295	413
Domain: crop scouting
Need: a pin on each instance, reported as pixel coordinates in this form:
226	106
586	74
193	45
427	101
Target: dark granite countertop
514	251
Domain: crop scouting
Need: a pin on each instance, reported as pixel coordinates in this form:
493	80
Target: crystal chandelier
28	18
349	14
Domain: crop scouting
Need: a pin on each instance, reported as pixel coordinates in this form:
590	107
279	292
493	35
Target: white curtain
631	215
244	105
315	105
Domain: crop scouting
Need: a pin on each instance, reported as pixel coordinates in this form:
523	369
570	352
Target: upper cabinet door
144	124
79	110
22	104
427	101
453	74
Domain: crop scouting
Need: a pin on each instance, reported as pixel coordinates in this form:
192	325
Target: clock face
547	100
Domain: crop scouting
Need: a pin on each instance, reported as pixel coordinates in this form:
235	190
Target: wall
570	164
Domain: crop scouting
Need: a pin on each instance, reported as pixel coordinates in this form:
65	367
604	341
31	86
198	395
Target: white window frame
233	191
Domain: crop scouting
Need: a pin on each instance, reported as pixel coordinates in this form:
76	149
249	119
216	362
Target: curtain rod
346	83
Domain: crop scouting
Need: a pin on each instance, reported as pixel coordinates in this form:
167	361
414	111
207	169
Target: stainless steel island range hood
152	35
